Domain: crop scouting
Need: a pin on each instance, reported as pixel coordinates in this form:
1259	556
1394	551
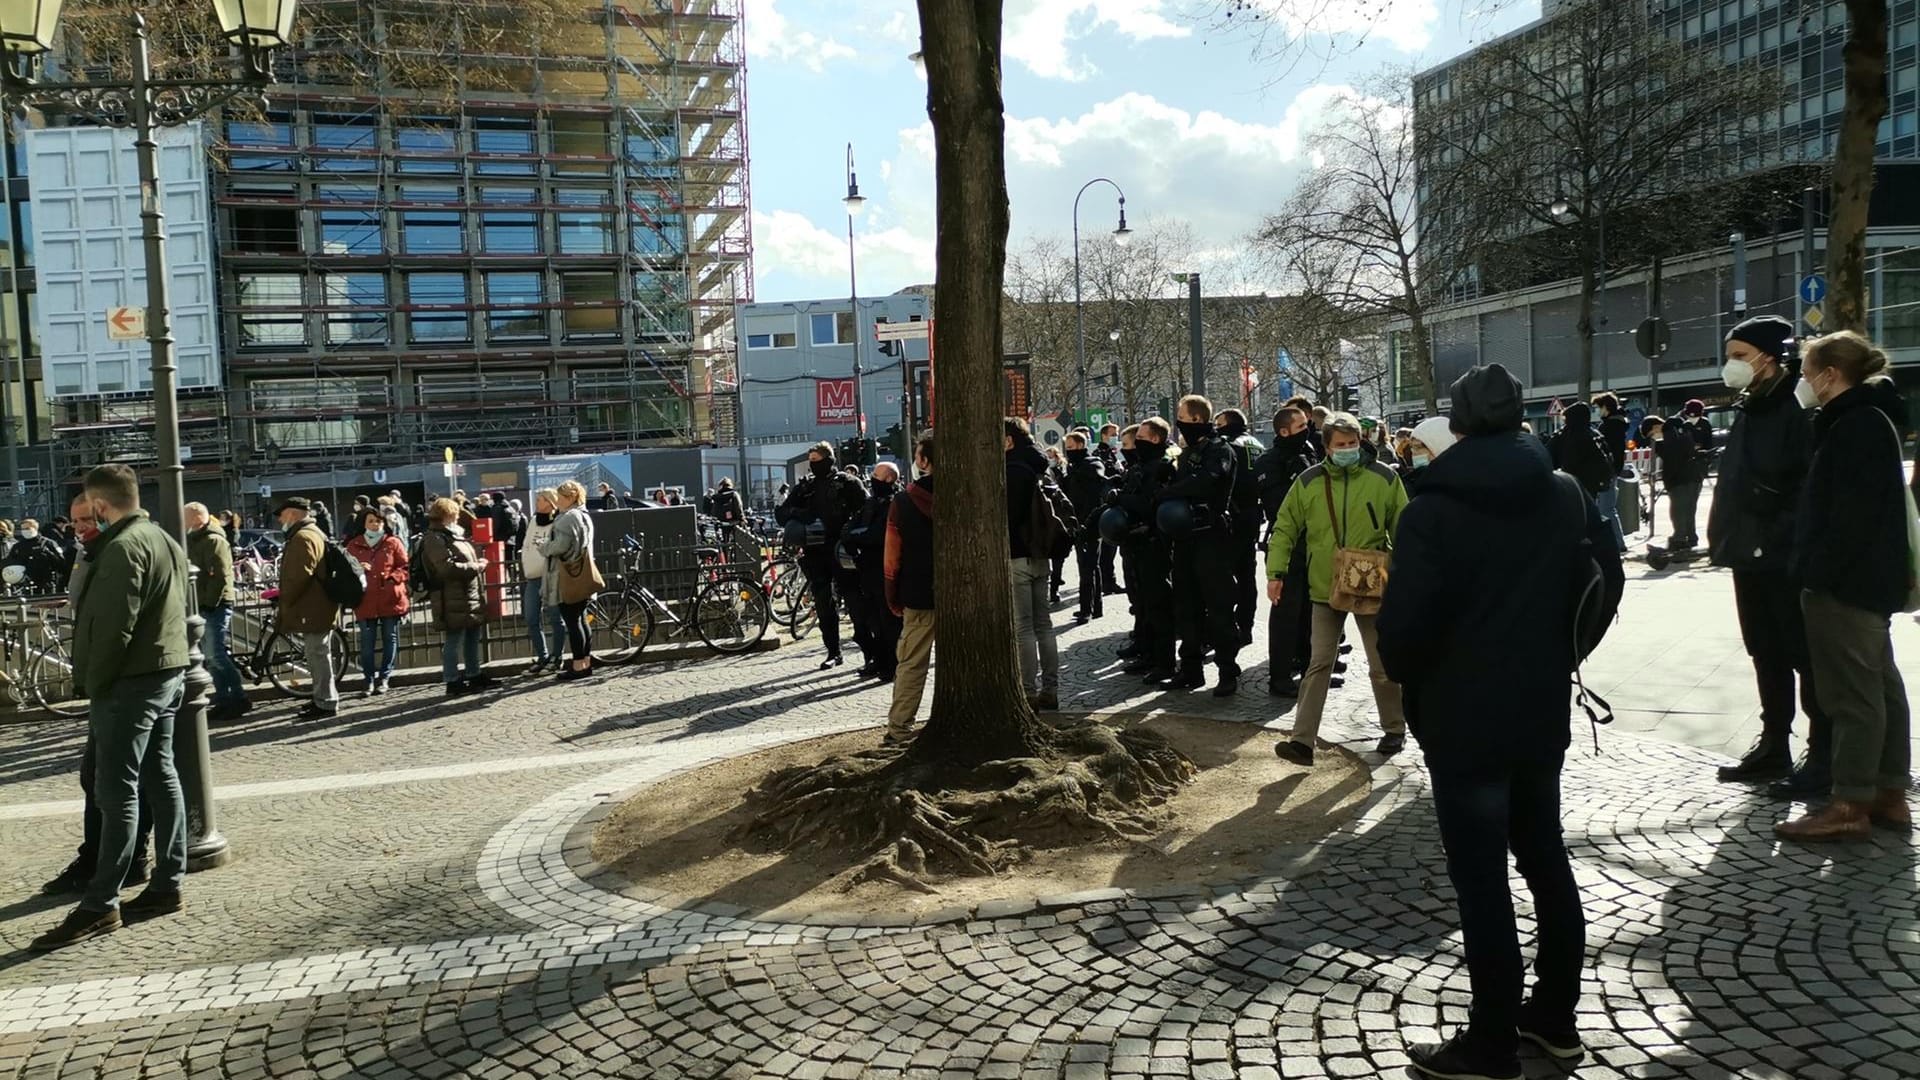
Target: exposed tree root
913	820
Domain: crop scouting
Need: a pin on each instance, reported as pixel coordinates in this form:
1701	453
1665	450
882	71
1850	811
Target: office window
590	322
581	136
573	196
584	234
436	139
438	291
433	232
347	193
430	193
775	340
509	234
344	144
247	141
833	328
513	298
273	229
505	135
350	232
269	311
497	193
357	315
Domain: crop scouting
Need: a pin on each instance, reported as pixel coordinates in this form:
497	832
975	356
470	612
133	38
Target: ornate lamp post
254	28
1121	236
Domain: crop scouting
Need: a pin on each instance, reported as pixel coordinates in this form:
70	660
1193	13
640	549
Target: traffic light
897	441
1350	399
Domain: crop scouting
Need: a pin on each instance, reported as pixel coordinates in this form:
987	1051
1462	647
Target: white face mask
28	534
1737	374
1806	395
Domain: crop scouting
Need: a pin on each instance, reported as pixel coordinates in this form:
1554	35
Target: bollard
193	756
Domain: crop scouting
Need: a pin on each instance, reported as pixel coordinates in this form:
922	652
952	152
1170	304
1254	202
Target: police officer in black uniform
1289	631
1203	557
820	505
1247	575
866	538
1147	553
1107	449
1087	484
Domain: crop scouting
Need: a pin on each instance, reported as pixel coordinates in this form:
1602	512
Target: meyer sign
833	401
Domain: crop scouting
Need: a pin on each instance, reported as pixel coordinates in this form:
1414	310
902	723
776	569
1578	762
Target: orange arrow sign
122	320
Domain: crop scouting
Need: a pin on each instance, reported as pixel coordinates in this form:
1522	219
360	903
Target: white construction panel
85	186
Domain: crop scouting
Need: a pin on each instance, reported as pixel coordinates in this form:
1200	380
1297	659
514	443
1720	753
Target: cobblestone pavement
410	898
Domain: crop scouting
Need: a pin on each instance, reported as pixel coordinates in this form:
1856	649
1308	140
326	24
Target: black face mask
1193	433
1075	457
543	519
883	487
821	469
1130	455
1295	439
1233	429
1149	452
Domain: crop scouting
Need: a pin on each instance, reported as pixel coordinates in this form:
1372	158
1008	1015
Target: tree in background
1865	80
1591	113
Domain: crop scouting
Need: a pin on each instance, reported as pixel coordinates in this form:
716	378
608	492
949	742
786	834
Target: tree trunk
1866	84
980	712
1588	287
1423	360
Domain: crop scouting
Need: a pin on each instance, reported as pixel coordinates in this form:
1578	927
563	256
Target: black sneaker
481	682
1285	688
79	925
1767	760
151	904
71	880
1458	1059
456	688
1297	752
1192	680
1391	743
1045	701
315	714
1807	781
1228	686
1157	677
1560	1042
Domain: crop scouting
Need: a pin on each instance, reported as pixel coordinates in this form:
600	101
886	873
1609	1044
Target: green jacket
209	552
1368	500
131	615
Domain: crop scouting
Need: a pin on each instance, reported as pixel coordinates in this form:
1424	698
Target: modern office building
546	259
1534	331
797	368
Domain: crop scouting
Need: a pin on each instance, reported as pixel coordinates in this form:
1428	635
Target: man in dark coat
821	504
1580	452
1478	626
1679	475
1203	593
1087	484
1289	626
866	537
1029	565
1750	531
1148	557
1108	451
1249	578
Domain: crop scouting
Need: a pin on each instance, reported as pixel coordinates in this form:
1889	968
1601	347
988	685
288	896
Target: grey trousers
326	687
1033	623
1862	694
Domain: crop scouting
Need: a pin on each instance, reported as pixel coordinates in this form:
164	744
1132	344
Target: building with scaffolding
541	256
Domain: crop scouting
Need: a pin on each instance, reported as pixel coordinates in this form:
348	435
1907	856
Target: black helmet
1115	524
794	533
1174	518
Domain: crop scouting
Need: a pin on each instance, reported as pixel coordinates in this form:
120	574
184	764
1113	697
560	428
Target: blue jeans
460	645
1609	503
132	731
217	647
388	628
532	610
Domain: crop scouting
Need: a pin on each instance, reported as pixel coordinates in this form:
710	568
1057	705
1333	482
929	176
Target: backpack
1588	461
419	570
1051	525
343	579
1587	585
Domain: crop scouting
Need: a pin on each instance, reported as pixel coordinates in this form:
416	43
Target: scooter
1660	557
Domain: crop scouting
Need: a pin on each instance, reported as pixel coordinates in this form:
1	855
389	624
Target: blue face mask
1346	458
373	535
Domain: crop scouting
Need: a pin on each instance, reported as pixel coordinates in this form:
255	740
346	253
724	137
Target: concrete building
796	364
1534	331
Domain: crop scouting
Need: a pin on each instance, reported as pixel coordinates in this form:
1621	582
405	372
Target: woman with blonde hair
1851	558
570	542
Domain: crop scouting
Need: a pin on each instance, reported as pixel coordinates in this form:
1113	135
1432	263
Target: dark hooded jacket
1026	468
1478	621
1578	450
1279	467
1851	537
1750	525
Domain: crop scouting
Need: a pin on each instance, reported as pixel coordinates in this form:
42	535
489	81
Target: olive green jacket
209	552
130	617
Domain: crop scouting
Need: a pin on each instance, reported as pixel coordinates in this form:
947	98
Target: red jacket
386	565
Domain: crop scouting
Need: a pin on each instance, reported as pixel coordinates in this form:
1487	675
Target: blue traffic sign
1813	289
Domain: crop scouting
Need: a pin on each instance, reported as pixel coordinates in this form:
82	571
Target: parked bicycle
727	610
36	669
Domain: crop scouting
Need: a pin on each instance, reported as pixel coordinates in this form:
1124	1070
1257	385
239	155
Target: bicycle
730	612
36	647
262	651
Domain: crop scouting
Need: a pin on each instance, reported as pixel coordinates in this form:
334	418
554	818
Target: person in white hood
1429	439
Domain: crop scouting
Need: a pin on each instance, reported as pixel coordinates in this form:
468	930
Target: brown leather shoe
1838	820
1890	810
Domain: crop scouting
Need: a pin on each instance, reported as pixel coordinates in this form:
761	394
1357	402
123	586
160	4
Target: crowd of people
1477	564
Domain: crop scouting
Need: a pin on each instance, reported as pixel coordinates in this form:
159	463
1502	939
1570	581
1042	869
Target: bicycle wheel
803	618
286	662
615	631
50	683
731	615
783	585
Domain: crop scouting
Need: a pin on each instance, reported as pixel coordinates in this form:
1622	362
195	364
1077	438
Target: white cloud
1040	33
770	34
789	243
1155	133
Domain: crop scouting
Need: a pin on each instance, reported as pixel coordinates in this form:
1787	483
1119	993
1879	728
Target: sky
1178	110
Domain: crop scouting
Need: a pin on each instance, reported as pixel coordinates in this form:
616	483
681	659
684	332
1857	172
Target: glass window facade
438	327
357	315
513	299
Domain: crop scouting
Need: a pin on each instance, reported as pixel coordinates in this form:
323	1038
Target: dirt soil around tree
684	836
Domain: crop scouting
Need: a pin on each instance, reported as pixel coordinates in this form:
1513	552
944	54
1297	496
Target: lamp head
1561	209
1122	236
257	24
27	26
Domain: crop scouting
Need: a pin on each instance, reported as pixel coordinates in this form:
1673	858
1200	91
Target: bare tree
1866	103
1038	318
1591	113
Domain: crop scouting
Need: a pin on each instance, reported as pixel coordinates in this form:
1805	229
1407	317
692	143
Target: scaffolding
545	258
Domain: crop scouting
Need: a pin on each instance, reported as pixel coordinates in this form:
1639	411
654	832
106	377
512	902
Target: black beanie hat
1486	401
1771	334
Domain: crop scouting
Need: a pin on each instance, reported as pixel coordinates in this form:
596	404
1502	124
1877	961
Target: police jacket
1247	453
1679	464
1086	486
1136	493
1278	468
866	532
1750	526
1105	454
1478	621
832	502
1851	537
43	560
1204	476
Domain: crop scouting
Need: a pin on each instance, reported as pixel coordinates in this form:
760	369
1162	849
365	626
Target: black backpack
343	579
419	570
1051	524
1587	584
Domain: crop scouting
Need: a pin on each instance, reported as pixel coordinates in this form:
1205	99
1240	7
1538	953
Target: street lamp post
855	203
254	28
1121	235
